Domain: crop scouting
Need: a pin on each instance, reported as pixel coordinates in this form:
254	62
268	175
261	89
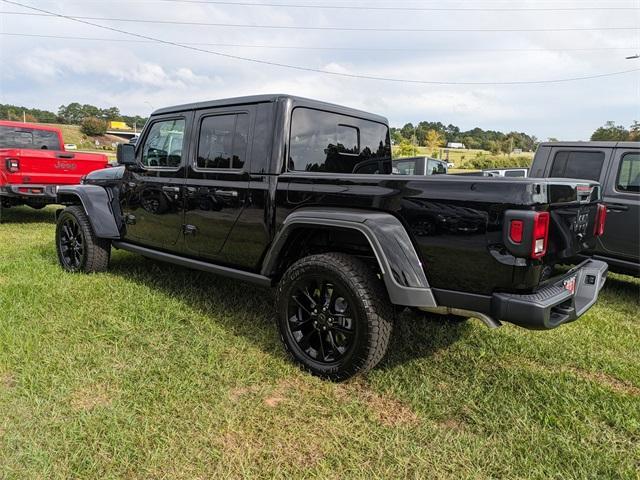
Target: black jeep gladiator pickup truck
616	165
298	194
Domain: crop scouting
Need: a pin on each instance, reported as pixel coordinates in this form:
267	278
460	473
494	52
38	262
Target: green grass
153	371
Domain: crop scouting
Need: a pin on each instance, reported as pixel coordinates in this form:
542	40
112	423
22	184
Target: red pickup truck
33	162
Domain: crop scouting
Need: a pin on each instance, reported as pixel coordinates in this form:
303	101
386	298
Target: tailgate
573	216
44	167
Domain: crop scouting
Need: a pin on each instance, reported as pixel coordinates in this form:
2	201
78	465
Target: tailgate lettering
65	165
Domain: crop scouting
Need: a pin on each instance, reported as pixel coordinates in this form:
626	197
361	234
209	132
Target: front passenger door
622	197
153	202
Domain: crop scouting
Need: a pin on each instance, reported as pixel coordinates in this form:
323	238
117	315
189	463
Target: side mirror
126	154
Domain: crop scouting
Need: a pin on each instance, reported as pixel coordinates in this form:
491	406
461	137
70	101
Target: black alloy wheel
334	315
71	243
79	250
321	319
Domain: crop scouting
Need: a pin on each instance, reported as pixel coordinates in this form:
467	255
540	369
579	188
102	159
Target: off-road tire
373	320
96	251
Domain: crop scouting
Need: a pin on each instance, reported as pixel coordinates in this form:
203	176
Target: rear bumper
43	192
554	304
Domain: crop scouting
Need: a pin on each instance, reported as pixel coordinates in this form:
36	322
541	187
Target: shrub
489	161
93	126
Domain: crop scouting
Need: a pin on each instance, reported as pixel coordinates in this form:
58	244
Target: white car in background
506	172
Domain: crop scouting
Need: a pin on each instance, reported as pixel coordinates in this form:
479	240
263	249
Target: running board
195	264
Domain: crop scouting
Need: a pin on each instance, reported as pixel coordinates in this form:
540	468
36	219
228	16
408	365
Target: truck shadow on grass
249	311
25	215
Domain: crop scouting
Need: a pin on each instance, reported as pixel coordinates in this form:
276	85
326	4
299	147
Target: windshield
29	138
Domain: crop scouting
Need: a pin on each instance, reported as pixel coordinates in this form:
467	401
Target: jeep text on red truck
33	163
299	194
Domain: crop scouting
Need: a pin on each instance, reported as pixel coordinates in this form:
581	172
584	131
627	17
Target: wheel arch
382	234
96	202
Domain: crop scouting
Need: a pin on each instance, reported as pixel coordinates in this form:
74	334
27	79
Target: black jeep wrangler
298	194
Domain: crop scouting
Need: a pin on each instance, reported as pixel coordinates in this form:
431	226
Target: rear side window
629	174
405	167
435	168
223	141
163	146
583	165
32	139
330	142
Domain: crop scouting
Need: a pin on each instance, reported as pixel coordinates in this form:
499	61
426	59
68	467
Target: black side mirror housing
126	154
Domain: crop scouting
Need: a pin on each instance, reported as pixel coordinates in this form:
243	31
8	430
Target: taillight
540	234
13	165
601	217
515	231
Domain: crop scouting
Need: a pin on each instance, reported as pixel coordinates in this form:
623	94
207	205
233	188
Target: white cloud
47	72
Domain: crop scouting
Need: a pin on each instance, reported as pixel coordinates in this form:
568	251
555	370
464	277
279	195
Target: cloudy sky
560	40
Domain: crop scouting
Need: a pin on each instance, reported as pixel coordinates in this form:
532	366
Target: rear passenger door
622	197
217	184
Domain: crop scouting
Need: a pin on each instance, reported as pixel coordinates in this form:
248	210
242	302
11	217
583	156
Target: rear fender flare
397	258
97	203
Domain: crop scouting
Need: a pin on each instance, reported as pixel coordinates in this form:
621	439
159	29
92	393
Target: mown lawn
152	371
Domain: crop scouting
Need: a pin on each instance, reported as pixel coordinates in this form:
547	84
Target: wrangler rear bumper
556	303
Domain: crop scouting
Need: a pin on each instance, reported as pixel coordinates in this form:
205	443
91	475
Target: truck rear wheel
79	250
334	315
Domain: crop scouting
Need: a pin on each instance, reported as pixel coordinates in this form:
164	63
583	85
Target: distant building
456	145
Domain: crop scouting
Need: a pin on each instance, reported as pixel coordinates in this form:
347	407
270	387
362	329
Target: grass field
153	371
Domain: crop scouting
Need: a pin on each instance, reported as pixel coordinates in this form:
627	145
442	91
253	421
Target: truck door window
329	142
223	141
577	164
628	180
163	145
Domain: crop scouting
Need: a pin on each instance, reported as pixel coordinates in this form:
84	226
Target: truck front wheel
334	315
79	250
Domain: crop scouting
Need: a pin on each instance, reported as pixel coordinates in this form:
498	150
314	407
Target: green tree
434	139
93	126
634	131
611	131
408	131
406	149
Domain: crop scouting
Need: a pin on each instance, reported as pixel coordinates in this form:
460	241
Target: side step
195	264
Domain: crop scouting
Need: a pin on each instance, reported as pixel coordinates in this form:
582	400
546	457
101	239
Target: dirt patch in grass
90	397
7	380
601	378
388	410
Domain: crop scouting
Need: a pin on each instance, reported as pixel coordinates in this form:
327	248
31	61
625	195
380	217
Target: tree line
611	131
93	119
435	135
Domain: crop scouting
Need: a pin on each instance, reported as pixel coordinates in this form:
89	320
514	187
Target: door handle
65	155
168	189
226	193
617	207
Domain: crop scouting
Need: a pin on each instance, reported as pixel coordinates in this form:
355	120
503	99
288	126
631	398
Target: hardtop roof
298	101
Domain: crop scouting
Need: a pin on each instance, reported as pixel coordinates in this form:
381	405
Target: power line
339	48
318	70
298	27
396	8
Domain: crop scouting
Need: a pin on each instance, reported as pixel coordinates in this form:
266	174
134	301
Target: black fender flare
397	258
97	203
